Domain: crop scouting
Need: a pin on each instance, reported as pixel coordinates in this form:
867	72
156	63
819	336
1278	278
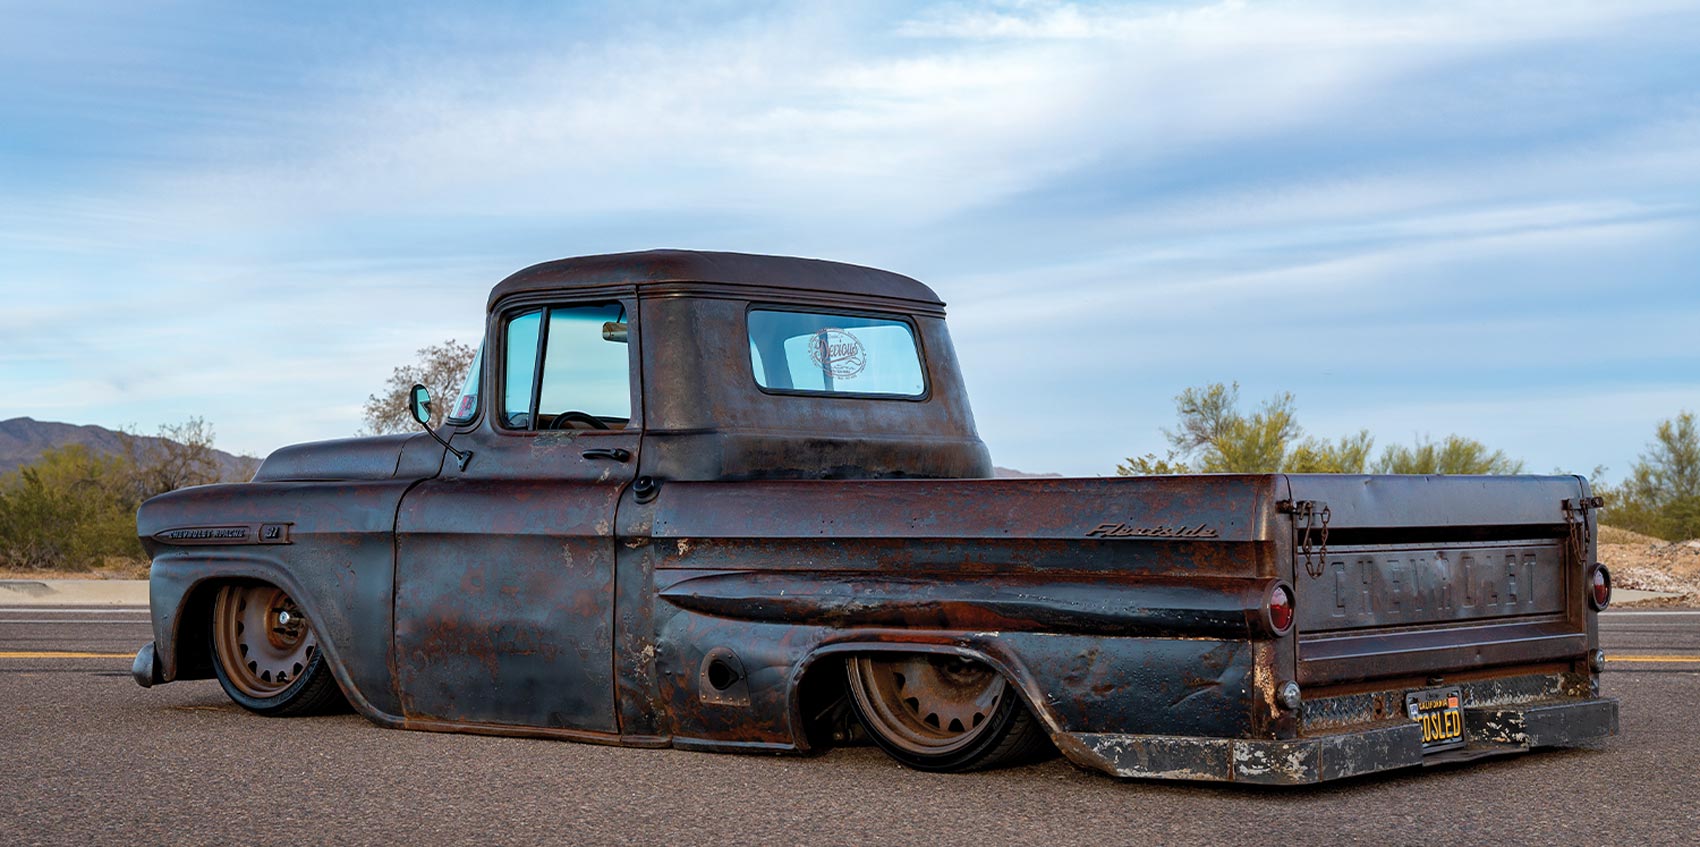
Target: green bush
1661	497
1214	436
71	510
75	510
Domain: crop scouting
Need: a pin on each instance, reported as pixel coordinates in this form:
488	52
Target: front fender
180	598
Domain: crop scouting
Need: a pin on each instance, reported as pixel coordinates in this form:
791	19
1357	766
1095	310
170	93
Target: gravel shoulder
1650	564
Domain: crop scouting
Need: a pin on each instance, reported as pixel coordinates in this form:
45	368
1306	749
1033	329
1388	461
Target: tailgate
1425	576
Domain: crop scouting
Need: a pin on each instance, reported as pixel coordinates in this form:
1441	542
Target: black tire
266	666
943	713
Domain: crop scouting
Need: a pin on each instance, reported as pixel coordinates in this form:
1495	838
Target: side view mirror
419	405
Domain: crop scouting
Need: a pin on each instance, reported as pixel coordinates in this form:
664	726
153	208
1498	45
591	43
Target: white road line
31	610
4	621
1629	614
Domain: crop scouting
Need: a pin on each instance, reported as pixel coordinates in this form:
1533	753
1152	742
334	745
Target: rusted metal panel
1117	515
1541	724
1402	585
338	565
642	711
372	457
1074	683
505	585
508	625
744	273
708	420
1326	712
1447	504
1328	756
1436	649
1198	607
1252	761
1414	576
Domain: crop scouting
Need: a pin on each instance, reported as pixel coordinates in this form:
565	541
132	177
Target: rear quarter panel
1101	630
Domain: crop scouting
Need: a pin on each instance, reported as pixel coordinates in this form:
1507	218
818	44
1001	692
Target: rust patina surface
700	577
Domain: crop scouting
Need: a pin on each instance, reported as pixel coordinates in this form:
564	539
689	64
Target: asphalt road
90	758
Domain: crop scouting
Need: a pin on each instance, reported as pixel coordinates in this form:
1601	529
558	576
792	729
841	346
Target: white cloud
789	114
1241	24
821	129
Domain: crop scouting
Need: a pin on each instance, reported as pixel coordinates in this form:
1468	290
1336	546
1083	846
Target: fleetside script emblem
1122	530
268	533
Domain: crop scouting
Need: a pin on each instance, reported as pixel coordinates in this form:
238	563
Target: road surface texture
90	758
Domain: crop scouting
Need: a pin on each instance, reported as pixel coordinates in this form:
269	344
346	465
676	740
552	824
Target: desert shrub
72	509
1212	435
1661	497
1454	454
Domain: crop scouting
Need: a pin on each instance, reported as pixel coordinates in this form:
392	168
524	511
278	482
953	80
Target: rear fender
1006	665
1086	684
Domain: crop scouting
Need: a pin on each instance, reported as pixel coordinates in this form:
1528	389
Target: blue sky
1420	218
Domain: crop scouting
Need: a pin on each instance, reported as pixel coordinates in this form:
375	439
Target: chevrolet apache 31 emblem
266	533
1122	530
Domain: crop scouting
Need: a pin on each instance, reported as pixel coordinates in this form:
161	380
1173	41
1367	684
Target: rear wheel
266	654
942	713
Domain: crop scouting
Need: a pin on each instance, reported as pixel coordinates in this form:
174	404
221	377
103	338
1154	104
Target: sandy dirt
1650	564
137	570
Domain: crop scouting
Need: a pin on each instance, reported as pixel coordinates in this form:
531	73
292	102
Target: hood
372	457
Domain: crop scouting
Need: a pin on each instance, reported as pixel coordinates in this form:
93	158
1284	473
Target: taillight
1599	587
1281	609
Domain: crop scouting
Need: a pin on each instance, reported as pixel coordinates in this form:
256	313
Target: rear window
817	353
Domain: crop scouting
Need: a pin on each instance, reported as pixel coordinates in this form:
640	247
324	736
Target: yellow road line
60	654
1682	660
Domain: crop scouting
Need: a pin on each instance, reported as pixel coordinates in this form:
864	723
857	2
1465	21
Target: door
505	569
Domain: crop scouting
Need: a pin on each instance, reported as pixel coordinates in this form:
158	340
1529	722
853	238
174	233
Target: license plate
1440	712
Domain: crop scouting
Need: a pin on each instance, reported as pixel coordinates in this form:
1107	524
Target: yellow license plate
1440	712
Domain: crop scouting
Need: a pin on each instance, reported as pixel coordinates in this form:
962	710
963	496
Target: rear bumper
1492	730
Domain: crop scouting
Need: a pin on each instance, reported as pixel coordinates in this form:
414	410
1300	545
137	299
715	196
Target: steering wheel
562	420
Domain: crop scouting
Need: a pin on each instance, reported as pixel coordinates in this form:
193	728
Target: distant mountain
1007	473
23	440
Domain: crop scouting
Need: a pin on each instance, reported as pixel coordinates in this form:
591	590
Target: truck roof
687	269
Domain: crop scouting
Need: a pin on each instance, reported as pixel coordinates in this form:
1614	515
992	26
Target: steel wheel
266	654
941	712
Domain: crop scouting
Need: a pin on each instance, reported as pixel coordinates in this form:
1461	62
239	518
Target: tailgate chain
1310	512
1576	516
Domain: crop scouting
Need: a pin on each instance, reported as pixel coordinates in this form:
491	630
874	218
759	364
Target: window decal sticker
838	353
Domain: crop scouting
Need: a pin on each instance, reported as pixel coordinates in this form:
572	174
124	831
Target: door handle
618	454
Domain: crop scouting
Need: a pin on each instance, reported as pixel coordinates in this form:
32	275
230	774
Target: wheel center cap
285	627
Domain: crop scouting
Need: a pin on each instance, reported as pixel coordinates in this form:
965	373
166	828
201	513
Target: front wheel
942	713
267	656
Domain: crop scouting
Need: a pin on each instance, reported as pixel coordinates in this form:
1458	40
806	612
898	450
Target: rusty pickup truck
738	503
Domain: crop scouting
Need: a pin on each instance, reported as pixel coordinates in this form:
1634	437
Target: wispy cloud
753	117
219	207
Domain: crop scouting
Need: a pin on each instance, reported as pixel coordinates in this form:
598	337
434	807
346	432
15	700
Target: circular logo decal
838	353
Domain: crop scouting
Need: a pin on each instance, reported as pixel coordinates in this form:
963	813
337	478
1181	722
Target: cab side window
567	369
